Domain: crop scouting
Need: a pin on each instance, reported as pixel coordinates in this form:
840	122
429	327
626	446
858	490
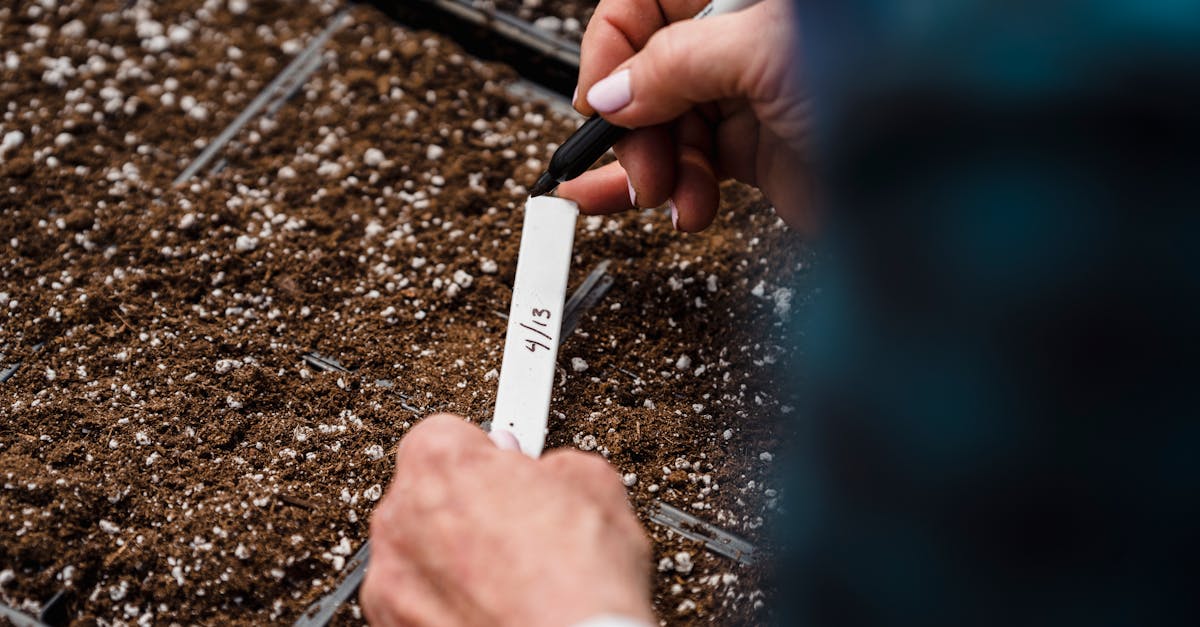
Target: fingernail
612	93
575	96
504	440
674	213
632	192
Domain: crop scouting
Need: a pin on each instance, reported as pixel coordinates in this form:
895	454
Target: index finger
617	30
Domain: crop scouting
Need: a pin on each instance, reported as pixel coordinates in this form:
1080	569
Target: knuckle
381	520
592	475
370	597
436	439
386	531
642	541
640	547
666	48
381	598
438	425
595	469
392	510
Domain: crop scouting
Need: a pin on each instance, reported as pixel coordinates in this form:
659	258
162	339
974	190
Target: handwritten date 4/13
538	324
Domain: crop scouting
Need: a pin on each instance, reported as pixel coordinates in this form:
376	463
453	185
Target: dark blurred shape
493	35
55	611
1000	402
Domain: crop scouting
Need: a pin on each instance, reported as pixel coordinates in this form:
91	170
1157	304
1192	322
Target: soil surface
565	18
166	454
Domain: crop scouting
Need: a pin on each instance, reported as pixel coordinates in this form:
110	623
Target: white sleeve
612	620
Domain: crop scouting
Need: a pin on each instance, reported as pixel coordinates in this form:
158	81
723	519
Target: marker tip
545	184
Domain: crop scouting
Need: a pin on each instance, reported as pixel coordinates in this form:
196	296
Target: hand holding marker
596	136
708	100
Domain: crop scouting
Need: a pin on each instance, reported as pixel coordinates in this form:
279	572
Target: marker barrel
584	148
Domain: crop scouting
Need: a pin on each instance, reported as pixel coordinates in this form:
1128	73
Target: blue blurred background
1000	417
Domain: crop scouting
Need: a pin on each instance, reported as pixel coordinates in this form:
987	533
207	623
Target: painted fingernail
674	213
504	440
612	93
632	192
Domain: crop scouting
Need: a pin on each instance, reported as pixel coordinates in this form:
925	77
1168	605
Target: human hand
710	99
472	534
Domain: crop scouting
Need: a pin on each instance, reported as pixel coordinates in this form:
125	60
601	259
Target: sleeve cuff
612	620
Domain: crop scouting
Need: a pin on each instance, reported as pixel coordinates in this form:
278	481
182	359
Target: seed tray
175	319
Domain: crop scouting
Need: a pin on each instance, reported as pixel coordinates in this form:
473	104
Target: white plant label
535	321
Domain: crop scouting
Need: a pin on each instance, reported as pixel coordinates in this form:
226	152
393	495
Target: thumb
693	62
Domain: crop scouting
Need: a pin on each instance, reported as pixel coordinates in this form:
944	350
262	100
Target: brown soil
569	18
168	454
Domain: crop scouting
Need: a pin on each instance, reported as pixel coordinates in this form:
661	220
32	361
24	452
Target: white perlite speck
109	526
342	547
487	266
179	34
586	442
434	152
374	492
783	301
374	452
12	140
578	364
549	23
463	279
683	562
684	362
117	592
73	29
373	157
245	243
629	479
